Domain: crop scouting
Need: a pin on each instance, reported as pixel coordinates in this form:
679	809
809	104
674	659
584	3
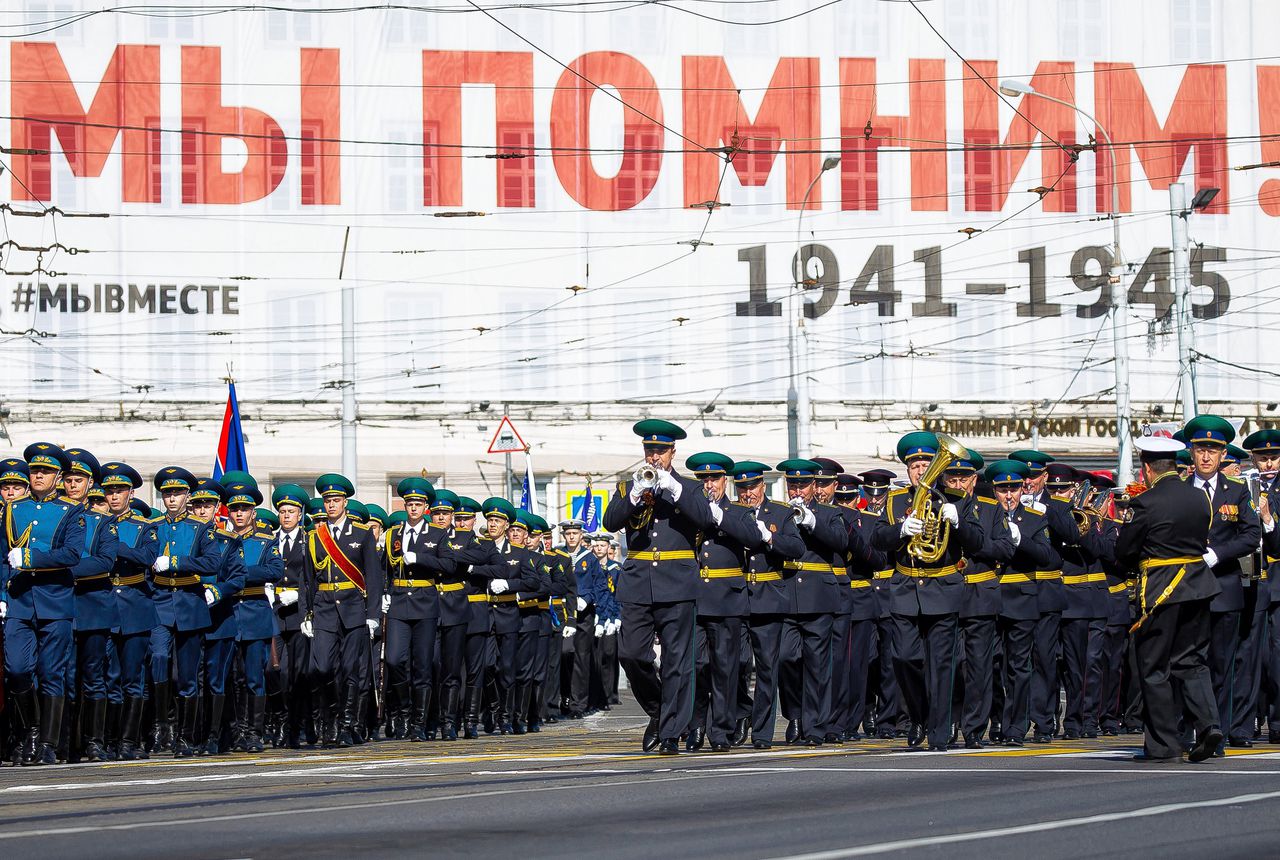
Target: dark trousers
255	654
1171	649
554	644
1082	643
340	657
861	640
746	667
91	662
718	662
131	657
477	646
607	666
1017	640
1272	661
217	657
1105	675
1224	641
531	656
924	657
584	644
1044	677
504	666
411	648
1247	670
890	709
184	648
839	686
979	659
766	649
453	661
814	633
37	651
667	695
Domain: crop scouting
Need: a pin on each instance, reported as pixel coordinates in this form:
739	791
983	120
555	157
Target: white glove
270	591
950	514
716	513
568	631
1016	532
386	603
4	609
1026	499
912	526
615	625
669	486
288	596
1268	526
599	630
765	534
1211	558
15	557
498	586
306	629
410	557
161	564
582	604
373	627
208	596
807	519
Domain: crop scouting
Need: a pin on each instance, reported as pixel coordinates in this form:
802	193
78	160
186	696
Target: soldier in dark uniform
1264	449
590	584
1167	539
563	603
886	717
608	620
1235	533
658	585
722	604
769	600
473	552
294	604
1103	678
502	568
95	605
347	603
863	607
559	583
136	550
532	585
44	537
455	615
255	620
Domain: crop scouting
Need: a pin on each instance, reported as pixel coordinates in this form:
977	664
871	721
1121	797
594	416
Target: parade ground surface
584	789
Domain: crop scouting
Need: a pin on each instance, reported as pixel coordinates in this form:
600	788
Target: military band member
563	612
555	578
95	608
294	604
255	620
1166	539
863	606
1264	449
659	582
347	605
886	716
532	587
1103	678
474	553
1234	534
590	583
722	604
44	537
455	615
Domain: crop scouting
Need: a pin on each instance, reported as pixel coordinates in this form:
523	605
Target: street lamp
797	342
1119	294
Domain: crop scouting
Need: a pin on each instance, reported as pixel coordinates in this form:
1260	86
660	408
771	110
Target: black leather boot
474	694
420	699
213	740
534	710
94	715
50	729
111	731
502	715
346	729
519	707
401	706
184	743
162	704
26	726
131	747
449	713
255	721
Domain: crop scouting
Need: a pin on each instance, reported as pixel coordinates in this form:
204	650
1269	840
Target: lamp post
797	341
1119	293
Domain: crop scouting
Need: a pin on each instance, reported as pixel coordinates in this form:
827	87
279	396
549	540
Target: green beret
466	505
969	465
799	468
396	518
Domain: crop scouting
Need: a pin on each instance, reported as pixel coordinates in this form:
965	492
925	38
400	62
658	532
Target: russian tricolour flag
230	454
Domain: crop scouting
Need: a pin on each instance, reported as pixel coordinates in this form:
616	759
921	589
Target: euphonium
931	543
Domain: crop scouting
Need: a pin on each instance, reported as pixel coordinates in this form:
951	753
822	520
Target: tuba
931	543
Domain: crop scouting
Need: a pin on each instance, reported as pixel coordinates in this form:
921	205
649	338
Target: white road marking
1024	829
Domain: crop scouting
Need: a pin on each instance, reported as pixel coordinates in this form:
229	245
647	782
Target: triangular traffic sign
507	440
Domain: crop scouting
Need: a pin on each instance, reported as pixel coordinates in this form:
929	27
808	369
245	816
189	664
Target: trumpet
797	508
646	477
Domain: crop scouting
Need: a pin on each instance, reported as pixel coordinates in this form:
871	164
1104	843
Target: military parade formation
965	603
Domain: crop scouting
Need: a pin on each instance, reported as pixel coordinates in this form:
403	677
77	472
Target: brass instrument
646	477
797	508
931	543
1252	565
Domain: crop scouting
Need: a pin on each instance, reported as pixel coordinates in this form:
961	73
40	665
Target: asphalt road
585	790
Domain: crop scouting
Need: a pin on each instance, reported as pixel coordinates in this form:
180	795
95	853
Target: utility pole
506	475
349	466
1178	212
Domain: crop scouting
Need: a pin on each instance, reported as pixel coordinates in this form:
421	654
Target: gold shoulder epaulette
225	532
1060	497
987	501
1235	478
361	526
1039	513
897	491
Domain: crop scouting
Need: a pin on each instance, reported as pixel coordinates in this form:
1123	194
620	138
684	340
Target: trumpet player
662	513
1256	651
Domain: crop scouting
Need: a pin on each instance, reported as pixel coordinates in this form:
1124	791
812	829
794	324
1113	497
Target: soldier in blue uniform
590	586
44	536
95	605
722	605
418	559
136	551
1235	533
608	620
294	601
347	605
658	586
255	621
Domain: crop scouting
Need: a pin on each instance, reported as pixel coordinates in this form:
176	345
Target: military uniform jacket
95	601
1084	579
415	588
721	558
1165	540
52	536
937	588
662	539
859	578
981	572
136	550
471	551
516	565
535	595
563	602
882	576
296	573
1100	540
189	545
338	599
590	577
225	585
1019	585
811	579
608	607
262	567
1234	533
766	592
